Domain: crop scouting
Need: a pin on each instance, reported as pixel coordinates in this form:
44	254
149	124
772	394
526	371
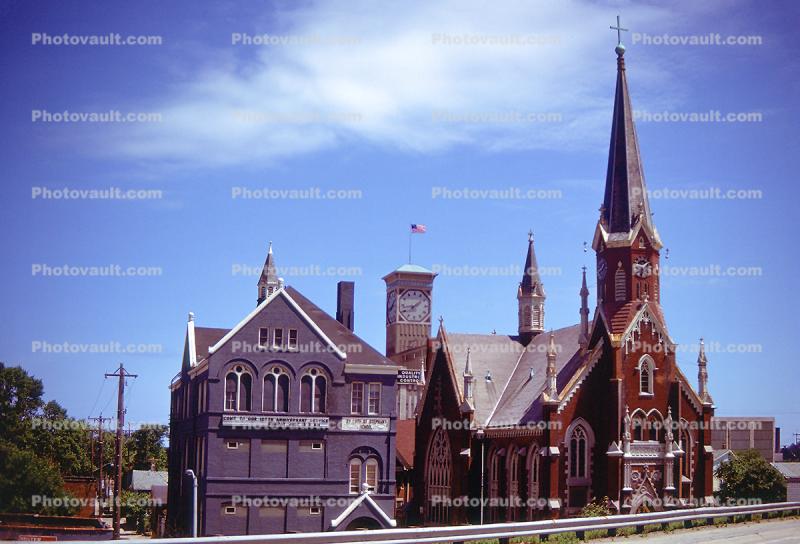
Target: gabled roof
311	322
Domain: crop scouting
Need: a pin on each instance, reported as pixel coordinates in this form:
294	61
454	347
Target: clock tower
409	292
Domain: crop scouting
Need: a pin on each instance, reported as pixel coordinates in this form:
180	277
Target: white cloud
395	79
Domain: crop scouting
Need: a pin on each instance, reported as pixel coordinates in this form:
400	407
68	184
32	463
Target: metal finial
530	235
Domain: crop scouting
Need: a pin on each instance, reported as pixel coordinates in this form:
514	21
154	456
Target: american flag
417	228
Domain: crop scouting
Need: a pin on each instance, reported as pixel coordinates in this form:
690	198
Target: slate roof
205	337
520	402
495	353
625	194
339	334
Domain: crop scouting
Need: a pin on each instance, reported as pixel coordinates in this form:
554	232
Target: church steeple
625	200
530	298
626	240
269	282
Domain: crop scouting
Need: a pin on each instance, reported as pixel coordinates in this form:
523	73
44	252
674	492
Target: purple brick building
288	419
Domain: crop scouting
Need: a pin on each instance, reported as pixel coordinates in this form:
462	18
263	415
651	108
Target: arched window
655	426
238	390
526	319
646	368
276	390
355	476
371	474
638	425
619	284
438	478
313	392
579	442
533	475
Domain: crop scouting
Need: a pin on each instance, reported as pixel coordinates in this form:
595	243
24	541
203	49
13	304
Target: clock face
414	305
642	267
601	268
391	307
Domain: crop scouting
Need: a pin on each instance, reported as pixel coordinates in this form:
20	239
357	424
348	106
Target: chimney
345	295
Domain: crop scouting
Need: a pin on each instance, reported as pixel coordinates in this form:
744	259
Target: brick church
541	422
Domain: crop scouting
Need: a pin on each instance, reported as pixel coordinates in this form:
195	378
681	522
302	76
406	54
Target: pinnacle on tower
269	282
530	297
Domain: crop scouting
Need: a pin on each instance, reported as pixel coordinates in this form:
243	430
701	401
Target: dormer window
642	244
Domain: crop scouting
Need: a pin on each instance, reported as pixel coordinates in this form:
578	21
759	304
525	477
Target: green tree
29	483
748	476
147	445
20	402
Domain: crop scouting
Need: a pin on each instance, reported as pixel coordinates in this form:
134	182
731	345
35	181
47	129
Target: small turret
530	298
583	339
269	282
702	375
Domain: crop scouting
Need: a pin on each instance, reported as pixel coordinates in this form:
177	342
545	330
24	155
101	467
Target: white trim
353	505
190	339
278	292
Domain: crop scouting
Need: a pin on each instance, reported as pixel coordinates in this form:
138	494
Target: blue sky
362	104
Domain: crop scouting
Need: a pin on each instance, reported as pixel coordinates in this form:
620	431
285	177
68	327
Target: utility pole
121	373
100	494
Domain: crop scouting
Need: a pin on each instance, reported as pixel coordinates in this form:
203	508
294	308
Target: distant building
288	419
745	433
790	471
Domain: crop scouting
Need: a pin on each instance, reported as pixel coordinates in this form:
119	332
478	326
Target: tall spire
583	339
625	199
530	297
702	375
269	281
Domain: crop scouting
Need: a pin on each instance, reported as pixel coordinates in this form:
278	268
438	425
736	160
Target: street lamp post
480	435
190	473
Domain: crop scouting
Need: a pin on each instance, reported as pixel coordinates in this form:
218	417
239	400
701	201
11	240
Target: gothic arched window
438	478
313	392
646	368
579	442
276	390
238	390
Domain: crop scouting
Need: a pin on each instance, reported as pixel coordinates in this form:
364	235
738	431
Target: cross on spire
619	30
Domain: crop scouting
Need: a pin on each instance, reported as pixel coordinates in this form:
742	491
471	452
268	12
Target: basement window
232	445
230	510
316	445
315	510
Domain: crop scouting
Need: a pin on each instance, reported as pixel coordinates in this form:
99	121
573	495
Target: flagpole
410	234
